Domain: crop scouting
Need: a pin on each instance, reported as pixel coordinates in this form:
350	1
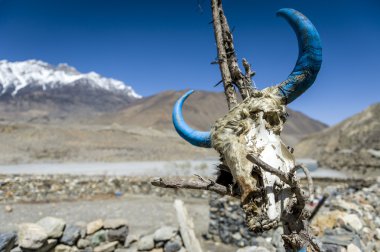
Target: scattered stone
114	223
16	249
83	243
146	243
327	220
345	206
178	239
377	233
65	248
353	248
70	235
172	246
131	239
253	249
160	244
52	226
83	226
107	247
124	250
94	226
120	234
99	237
7	241
277	239
165	233
8	208
353	221
49	245
260	242
88	249
236	237
340	239
158	250
31	236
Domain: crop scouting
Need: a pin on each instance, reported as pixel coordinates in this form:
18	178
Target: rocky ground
348	221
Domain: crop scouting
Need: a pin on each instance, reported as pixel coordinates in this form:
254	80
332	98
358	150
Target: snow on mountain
16	76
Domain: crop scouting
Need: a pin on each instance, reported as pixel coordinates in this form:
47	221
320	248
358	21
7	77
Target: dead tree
256	166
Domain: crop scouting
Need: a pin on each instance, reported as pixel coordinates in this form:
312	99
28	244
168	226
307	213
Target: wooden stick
238	78
199	184
186	227
222	56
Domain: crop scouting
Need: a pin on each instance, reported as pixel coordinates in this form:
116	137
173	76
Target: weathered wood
243	84
222	56
197	184
186	227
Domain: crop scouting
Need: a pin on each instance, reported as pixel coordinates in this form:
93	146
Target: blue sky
168	45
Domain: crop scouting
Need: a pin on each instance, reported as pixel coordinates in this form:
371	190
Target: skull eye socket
284	116
273	118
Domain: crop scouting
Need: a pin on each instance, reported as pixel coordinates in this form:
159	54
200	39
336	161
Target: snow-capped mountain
17	76
34	90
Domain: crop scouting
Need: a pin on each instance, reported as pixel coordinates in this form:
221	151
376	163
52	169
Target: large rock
94	226
115	223
49	245
7	241
146	243
31	236
107	247
65	248
131	240
353	248
164	233
98	238
353	221
253	249
70	235
119	234
83	243
172	246
52	226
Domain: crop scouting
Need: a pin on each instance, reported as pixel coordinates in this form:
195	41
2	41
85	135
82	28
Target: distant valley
57	114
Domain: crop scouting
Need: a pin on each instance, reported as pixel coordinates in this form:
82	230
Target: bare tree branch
238	78
222	56
199	184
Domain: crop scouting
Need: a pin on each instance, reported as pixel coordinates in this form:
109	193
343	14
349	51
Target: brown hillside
200	111
353	144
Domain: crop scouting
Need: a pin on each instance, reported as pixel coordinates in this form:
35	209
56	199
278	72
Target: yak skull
254	127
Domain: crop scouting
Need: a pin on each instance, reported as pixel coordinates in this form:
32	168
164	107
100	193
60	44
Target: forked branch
229	67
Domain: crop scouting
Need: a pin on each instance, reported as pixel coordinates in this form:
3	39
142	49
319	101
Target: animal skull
254	127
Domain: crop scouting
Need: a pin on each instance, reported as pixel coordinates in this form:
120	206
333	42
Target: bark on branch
198	184
222	56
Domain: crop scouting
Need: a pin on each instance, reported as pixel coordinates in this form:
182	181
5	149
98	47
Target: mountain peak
19	75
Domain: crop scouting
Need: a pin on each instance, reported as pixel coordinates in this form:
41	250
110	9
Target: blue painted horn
197	138
300	79
309	56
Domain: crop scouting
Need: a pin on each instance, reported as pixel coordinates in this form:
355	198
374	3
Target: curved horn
197	138
309	56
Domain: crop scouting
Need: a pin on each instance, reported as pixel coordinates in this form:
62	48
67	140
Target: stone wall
54	235
50	188
227	225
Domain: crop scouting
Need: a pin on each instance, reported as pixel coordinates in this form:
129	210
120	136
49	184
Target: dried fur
229	137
